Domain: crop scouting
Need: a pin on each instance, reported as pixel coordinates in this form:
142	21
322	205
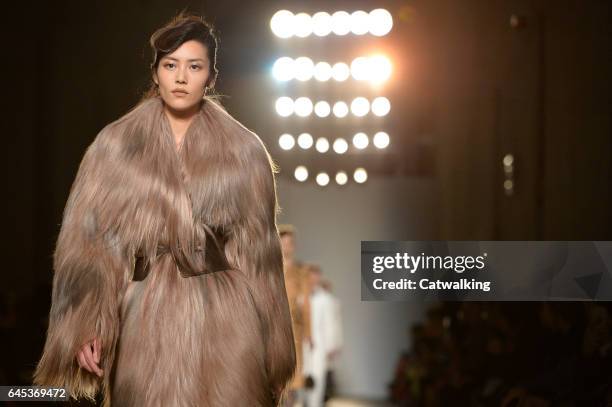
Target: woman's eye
196	67
167	65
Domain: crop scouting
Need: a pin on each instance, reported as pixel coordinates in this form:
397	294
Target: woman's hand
89	356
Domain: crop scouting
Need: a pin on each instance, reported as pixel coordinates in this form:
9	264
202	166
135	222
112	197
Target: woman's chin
182	105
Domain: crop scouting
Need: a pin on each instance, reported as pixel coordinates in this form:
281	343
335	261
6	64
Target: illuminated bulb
322	145
282	24
321	24
340	146
360	106
340	109
380	68
305	141
322	71
341	22
381	106
303	106
283	69
360	68
303	25
359	22
380	22
284	106
341	178
286	141
381	139
322	108
340	71
360	175
322	179
301	173
360	141
304	68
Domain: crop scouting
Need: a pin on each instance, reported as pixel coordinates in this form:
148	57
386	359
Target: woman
168	287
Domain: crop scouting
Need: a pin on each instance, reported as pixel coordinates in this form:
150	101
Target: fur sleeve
91	269
254	244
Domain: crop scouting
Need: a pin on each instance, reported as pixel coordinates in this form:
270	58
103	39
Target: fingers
87	360
81	360
96	353
89	357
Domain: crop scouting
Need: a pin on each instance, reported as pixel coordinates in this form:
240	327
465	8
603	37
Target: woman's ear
155	78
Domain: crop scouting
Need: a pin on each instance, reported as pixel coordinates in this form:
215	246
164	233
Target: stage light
381	139
283	69
340	146
301	173
303	106
360	106
341	22
359	22
282	24
322	179
322	108
304	68
305	141
321	24
286	141
360	175
284	106
340	71
380	22
303	25
322	145
381	106
341	178
322	71
340	109
360	68
380	68
360	140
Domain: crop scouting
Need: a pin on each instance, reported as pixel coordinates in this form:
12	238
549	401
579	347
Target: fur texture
208	324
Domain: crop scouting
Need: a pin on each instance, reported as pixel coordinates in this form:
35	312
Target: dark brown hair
182	28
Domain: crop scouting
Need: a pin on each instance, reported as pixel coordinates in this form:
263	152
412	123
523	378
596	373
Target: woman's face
182	76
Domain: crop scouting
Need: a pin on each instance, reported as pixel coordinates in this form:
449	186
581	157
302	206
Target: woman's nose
180	76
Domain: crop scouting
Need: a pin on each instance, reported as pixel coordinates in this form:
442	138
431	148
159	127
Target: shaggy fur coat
193	234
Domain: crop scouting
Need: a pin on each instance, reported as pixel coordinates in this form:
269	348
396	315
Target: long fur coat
193	235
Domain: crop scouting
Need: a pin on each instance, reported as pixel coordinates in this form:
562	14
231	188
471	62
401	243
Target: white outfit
324	320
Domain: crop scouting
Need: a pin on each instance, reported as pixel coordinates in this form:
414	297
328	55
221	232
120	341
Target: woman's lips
179	93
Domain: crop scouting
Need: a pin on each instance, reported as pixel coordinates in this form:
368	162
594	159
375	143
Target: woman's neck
180	121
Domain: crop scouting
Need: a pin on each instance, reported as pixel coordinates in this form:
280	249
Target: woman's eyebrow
189	60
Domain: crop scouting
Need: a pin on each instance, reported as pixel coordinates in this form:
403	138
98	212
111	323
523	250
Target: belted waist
214	259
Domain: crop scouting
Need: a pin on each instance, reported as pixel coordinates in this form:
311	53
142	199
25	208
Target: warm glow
301	173
360	141
360	175
303	106
286	141
305	141
282	24
284	106
322	179
340	109
340	146
322	108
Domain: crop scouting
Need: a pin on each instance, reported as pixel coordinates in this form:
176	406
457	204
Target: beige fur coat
206	321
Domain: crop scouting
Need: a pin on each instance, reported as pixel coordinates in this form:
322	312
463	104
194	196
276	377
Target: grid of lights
285	24
322	178
359	107
360	141
375	69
